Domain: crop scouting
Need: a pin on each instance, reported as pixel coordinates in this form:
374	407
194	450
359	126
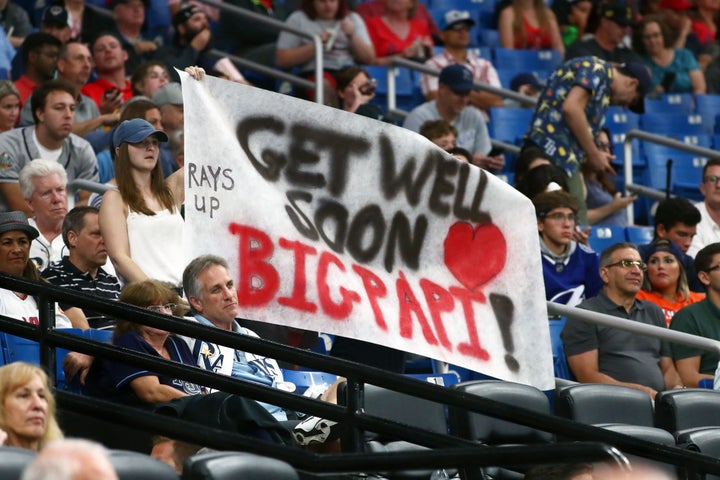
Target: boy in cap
455	28
55	22
452	104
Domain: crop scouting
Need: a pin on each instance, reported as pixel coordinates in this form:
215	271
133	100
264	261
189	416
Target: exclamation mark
504	313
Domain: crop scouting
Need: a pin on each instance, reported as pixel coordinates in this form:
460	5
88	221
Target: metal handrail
634	327
636	134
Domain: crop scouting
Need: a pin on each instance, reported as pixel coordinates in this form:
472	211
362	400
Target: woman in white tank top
141	220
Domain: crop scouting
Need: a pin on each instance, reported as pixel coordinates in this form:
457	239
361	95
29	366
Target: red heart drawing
474	255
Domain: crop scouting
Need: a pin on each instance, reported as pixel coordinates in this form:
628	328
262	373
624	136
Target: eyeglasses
711	179
168	307
559	216
603	146
624	263
458	27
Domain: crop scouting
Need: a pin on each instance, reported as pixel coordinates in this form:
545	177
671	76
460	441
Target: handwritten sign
338	223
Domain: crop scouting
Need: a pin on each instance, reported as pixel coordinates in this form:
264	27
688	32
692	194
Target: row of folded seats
137	466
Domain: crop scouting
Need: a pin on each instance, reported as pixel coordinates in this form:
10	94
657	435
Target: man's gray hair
63	459
37	169
191	284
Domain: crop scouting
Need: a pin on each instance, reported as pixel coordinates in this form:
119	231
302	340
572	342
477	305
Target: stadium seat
137	466
488	37
101	335
702	440
619	120
639	235
13	461
527	60
560	365
650	434
303	380
675	124
604	404
509	124
685	174
671	103
482	52
236	465
602	237
708	106
678	410
405	94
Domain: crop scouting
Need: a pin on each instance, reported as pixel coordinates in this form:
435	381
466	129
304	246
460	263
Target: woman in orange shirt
665	282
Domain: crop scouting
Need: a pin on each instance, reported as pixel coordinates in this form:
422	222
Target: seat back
304	380
13	461
675	124
602	237
671	103
639	235
509	124
703	440
650	434
406	409
598	403
236	465
620	120
489	430
527	60
137	466
677	410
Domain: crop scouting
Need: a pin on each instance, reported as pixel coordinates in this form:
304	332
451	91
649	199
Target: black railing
450	451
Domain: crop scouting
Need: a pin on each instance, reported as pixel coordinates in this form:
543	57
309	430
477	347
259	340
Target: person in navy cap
453	105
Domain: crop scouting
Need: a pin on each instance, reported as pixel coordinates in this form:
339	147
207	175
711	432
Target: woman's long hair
682	288
129	190
519	25
14	376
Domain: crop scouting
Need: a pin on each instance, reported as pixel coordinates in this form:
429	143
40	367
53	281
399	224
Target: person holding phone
673	70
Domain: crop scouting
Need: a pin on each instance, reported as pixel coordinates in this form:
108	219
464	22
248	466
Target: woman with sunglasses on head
606	206
132	385
665	282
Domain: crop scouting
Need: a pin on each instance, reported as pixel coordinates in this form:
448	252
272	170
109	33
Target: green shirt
701	319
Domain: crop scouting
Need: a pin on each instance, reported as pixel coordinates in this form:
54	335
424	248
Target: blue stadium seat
103	335
558	350
675	124
704	140
405	91
458	4
708	106
509	124
602	237
304	380
639	235
482	52
527	60
488	37
620	120
671	103
686	170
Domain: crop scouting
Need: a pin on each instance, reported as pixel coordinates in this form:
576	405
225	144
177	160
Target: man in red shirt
41	51
112	82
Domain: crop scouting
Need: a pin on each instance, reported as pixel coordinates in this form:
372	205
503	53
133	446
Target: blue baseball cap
452	17
641	73
136	130
457	78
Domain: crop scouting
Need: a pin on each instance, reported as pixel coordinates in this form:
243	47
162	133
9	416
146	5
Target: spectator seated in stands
570	269
666	283
53	106
9	105
15	21
676	220
529	25
376	8
344	37
74	66
25	397
398	33
55	22
191	44
572	18
673	70
702	319
613	24
526	84
355	89
441	133
452	105
455	33
606	206
40	54
142	226
602	354
15	237
112	87
708	229
44	185
535	173
86	23
132	385
82	269
71	459
149	77
129	16
704	26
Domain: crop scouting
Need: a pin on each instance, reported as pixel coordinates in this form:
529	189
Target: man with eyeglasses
701	319
570	269
600	354
455	28
708	230
452	104
40	53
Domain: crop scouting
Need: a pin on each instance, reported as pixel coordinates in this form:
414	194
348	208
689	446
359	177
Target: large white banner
338	223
